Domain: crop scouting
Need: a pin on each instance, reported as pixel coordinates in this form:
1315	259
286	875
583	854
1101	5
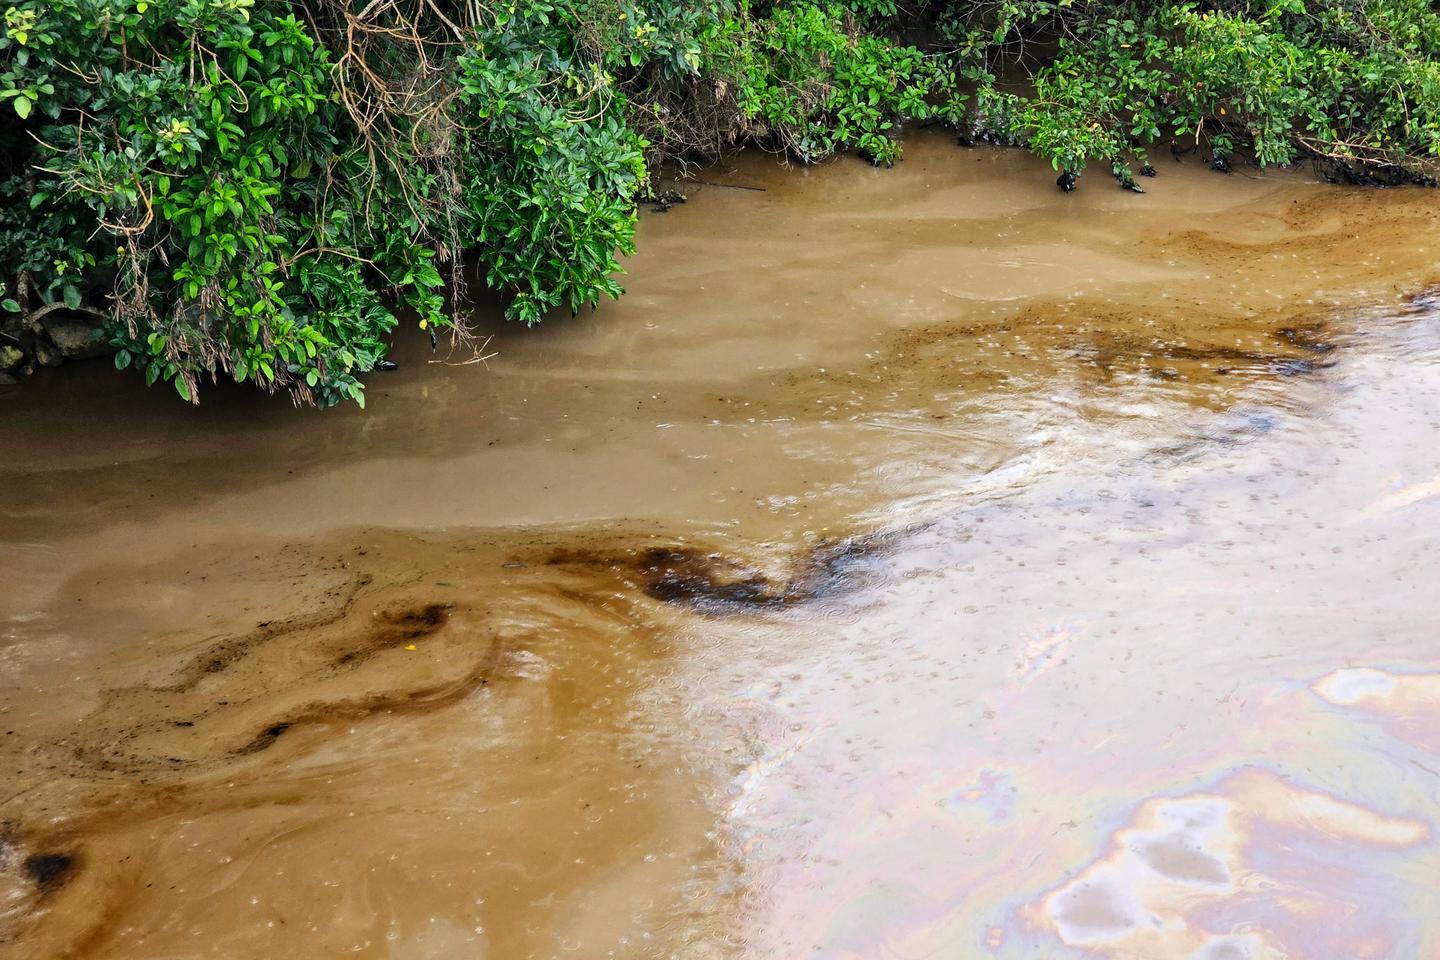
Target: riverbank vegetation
257	189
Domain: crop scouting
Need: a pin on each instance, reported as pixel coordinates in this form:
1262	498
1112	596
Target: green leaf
182	388
10	305
23	105
72	297
122	359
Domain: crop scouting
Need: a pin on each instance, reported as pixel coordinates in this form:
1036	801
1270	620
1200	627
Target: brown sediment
222	653
714	582
1191	349
149	726
398	627
132	763
187	722
1310	338
687	576
431	697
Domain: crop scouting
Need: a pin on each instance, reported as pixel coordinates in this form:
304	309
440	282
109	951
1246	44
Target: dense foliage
255	188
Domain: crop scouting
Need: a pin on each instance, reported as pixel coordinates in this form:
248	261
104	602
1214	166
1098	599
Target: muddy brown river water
915	564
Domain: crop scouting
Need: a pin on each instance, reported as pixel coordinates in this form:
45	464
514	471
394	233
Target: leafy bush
1353	83
810	79
550	198
258	189
188	162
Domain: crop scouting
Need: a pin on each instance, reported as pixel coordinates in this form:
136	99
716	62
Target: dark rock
47	354
666	199
75	338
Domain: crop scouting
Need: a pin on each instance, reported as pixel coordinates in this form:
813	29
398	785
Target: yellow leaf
410	646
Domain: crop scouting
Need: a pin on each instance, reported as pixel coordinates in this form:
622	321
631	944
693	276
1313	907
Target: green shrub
189	161
549	195
246	205
1352	83
808	78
